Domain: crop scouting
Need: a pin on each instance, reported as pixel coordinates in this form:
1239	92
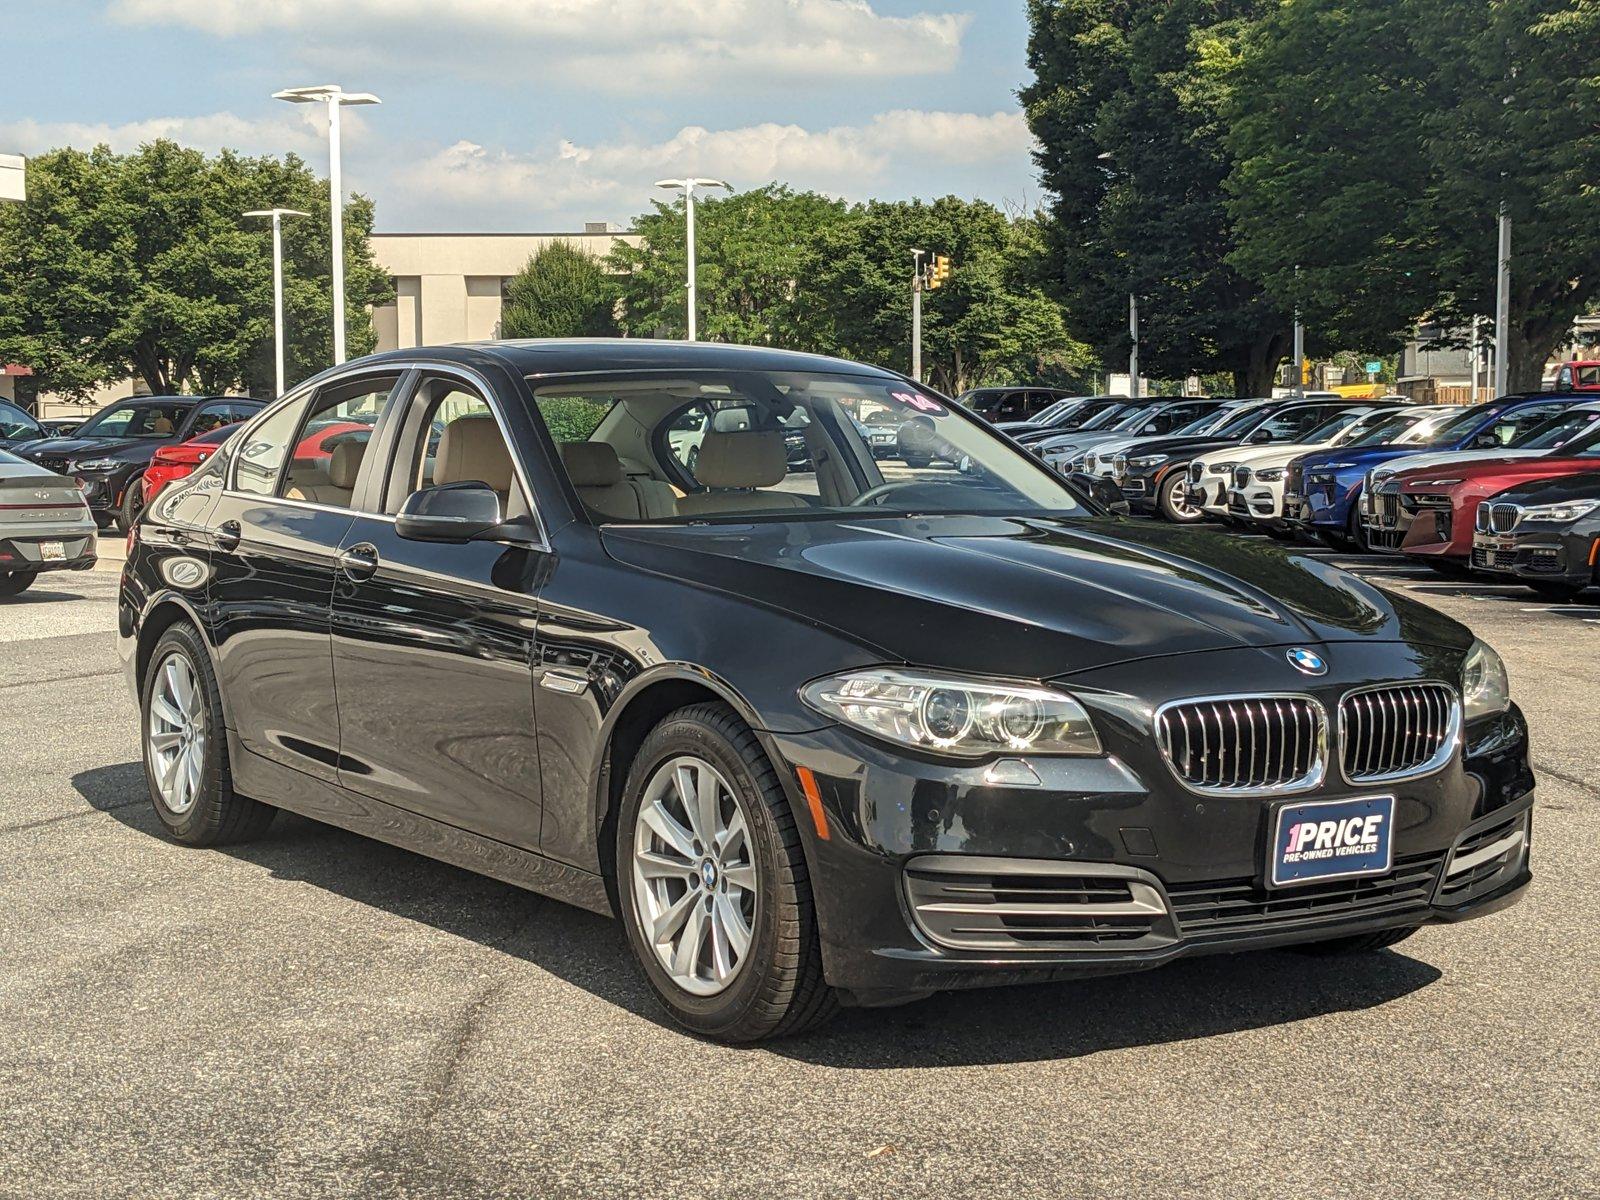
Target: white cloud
847	160
607	44
300	129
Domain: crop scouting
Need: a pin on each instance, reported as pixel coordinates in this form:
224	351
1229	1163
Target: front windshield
1244	422
1059	409
15	423
1135	418
743	446
1206	422
1332	428
1459	426
1557	431
1106	418
1386	430
146	420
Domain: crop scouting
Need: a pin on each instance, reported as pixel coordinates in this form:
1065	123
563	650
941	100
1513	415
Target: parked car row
1510	487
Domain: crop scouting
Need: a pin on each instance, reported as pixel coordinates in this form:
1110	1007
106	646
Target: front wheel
713	884
14	583
186	748
1172	498
132	506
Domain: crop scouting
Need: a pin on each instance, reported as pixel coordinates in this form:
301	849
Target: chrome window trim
1441	757
401	367
1311	780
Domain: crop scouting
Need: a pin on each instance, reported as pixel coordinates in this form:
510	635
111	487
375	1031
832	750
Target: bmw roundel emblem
1307	662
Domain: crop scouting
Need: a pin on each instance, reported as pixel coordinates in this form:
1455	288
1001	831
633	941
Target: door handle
359	562
229	535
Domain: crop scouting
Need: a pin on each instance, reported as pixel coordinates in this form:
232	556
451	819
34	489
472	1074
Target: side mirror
449	512
1258	437
1103	491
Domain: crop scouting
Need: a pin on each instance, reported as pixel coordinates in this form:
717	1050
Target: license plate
1506	544
1331	839
53	551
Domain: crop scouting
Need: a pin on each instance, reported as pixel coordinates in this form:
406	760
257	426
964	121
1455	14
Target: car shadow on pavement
1184	1001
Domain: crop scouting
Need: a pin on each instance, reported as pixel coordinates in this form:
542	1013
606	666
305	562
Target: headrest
345	463
472	448
592	464
751	458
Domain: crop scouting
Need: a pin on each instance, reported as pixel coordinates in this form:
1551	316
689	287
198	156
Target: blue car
1322	490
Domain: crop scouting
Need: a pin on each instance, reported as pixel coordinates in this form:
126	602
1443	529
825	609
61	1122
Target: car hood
1270	454
1412	462
1482	471
1081	441
1553	491
127	449
1034	598
1175	447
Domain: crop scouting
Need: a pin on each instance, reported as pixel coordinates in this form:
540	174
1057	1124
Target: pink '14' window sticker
920	403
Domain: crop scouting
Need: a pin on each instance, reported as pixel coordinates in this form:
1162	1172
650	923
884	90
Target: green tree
751	249
560	292
144	263
989	323
1374	142
1131	148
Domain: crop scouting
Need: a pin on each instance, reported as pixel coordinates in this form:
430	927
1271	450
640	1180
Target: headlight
1149	460
1485	689
99	464
1416	483
1269	475
949	714
1337	466
1221	468
1561	514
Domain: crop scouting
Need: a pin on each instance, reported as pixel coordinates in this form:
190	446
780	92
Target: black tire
132	506
1281	535
1167	501
779	990
915	462
1356	531
219	814
1557	593
1450	567
14	583
1360	943
104	520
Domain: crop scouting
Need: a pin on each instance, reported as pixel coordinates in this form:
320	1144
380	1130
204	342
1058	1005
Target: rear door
272	569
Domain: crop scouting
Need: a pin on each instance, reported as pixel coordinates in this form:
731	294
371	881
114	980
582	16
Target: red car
1578	377
1444	498
174	462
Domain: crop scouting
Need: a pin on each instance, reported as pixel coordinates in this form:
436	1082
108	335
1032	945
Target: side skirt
288	789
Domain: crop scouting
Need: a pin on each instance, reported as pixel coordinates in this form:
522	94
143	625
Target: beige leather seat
735	466
596	472
472	448
336	484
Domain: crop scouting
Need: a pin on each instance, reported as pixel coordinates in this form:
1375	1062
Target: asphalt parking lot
319	1015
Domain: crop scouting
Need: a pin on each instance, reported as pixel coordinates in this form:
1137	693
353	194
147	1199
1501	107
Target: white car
1254	485
1211	475
1100	459
45	524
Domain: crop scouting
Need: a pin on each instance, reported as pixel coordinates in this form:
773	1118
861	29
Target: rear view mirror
450	512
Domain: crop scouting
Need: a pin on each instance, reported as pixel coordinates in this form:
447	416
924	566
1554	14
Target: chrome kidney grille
1245	745
1395	730
1241	477
1503	518
1197	473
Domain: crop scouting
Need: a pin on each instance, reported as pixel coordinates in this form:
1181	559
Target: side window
331	446
450	435
686	433
572	418
211	416
1563	378
262	450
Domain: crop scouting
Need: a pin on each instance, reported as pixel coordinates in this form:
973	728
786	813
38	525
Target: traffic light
1305	371
939	271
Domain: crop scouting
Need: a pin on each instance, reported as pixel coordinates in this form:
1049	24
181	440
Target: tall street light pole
687	187
1299	343
1502	306
277	215
1133	347
335	98
916	313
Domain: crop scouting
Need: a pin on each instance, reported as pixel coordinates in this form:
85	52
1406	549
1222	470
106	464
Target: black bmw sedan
847	735
1545	533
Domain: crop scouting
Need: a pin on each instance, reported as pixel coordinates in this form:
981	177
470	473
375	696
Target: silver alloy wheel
175	733
694	875
1179	497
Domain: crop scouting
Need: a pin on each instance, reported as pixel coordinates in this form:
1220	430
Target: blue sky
540	114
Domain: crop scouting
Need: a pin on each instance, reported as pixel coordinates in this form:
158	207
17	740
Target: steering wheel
874	494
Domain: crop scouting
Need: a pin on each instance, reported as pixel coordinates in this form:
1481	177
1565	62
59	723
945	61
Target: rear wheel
713	885
13	583
1361	943
186	748
1172	499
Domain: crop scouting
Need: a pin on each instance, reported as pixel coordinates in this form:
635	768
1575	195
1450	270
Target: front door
433	642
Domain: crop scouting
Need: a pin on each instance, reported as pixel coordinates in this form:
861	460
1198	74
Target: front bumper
1156	872
104	492
1549	555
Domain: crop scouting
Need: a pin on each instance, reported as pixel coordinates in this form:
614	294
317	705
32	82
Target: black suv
108	453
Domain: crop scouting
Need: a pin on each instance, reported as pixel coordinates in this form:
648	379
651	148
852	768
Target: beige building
450	287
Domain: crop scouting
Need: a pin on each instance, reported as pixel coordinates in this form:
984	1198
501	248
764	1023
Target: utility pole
916	313
1133	347
1472	357
1502	306
1299	342
277	215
